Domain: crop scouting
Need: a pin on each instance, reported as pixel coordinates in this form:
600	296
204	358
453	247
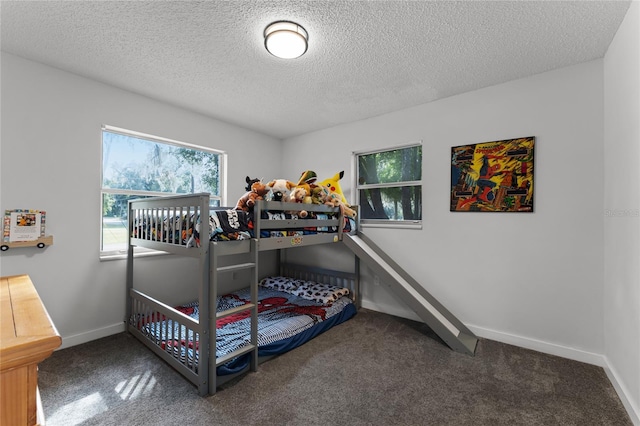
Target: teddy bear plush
299	194
333	199
279	189
248	200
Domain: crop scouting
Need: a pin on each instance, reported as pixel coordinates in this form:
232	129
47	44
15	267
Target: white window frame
384	223
221	198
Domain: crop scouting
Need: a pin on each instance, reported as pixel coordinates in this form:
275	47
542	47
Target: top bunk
175	224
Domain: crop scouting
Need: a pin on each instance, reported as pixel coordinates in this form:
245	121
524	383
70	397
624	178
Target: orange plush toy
248	200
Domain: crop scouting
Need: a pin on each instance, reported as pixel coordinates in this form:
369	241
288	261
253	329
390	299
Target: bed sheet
285	321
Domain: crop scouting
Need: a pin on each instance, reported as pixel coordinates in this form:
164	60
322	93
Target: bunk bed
217	337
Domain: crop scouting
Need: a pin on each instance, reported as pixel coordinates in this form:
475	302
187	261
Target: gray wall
50	160
622	203
516	277
533	280
563	280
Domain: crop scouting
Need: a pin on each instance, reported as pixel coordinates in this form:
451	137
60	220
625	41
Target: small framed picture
23	225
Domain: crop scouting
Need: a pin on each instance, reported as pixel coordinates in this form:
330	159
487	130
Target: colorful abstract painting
493	176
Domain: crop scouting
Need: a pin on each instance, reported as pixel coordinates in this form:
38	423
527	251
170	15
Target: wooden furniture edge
27	337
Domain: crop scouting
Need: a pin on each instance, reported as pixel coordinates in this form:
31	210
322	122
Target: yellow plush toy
332	194
333	186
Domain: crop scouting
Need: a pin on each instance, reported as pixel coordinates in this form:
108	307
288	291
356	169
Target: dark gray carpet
372	370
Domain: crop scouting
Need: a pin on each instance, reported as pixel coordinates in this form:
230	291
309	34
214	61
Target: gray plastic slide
454	333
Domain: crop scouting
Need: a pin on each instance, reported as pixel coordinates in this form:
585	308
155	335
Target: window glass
141	166
397	165
390	185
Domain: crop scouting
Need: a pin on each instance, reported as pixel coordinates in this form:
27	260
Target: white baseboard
77	339
536	345
540	346
569	353
630	405
498	336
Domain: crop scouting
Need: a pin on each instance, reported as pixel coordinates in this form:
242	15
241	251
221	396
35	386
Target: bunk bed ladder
252	347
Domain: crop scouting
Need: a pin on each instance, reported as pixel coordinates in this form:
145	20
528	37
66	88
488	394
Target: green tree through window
389	185
139	166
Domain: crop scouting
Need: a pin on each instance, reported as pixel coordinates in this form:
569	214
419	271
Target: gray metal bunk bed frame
165	215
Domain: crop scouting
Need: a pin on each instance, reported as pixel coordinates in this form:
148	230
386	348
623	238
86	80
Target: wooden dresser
28	337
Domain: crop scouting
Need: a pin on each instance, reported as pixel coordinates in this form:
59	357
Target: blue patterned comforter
285	321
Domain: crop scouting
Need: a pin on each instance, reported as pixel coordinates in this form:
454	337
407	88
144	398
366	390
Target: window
135	165
389	186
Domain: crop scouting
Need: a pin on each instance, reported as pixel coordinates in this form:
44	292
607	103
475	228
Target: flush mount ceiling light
285	39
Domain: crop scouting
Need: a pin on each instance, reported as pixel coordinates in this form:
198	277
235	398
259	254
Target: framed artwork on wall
493	176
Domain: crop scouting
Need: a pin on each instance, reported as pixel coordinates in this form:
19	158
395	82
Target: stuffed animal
308	177
317	195
333	186
300	195
279	189
333	199
250	182
248	200
306	186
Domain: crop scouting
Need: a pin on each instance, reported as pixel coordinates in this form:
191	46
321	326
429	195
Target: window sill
123	256
392	225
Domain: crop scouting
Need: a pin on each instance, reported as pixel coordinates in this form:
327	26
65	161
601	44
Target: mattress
285	321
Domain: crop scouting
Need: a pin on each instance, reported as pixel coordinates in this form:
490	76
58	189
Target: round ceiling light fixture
285	39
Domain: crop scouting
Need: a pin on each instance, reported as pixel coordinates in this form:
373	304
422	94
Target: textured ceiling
365	58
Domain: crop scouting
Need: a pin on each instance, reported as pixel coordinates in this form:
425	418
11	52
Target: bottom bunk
292	310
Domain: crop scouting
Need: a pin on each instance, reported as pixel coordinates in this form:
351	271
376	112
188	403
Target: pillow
323	293
310	290
286	284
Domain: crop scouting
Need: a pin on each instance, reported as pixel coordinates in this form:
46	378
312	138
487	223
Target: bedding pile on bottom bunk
290	313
